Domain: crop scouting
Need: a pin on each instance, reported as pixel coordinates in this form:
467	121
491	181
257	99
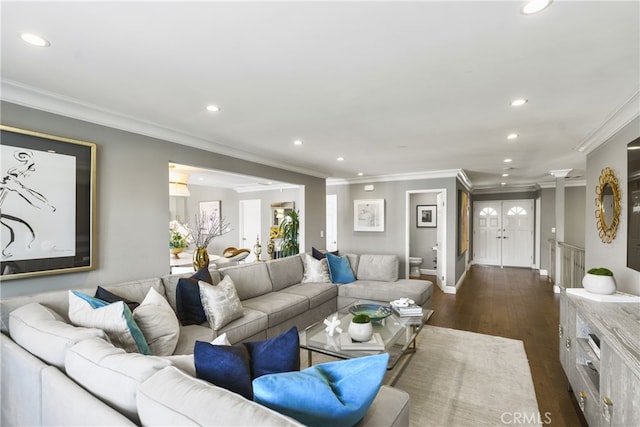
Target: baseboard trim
544	272
428	271
556	289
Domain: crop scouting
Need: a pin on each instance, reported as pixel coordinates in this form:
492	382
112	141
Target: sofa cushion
158	323
285	272
172	397
252	323
170	283
251	280
234	367
44	333
384	268
188	302
190	334
279	306
136	290
334	393
221	303
315	270
339	269
115	319
110	373
418	290
316	293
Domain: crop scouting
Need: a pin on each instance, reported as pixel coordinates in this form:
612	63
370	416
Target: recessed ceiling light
508	160
360	174
340	159
297	142
512	136
519	102
213	108
35	40
505	174
503	183
535	6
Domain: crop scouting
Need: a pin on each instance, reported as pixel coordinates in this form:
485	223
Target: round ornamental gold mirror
607	205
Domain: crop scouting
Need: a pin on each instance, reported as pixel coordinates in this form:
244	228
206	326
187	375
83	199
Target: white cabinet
605	381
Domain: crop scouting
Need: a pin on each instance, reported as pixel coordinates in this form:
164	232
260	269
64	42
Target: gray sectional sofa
54	373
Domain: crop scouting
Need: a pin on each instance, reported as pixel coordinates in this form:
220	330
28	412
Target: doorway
427	243
503	233
332	223
249	225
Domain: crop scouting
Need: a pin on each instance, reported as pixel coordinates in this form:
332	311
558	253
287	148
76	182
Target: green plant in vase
599	281
288	230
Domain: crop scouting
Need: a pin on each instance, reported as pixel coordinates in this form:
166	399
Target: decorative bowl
376	312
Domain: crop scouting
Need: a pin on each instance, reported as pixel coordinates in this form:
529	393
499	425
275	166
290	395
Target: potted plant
599	281
177	242
288	230
360	328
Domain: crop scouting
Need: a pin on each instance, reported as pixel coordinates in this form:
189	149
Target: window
517	210
488	212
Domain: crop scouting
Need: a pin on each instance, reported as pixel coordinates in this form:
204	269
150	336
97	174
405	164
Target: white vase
604	285
360	331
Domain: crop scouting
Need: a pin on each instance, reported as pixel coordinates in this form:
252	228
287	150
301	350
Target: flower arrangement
178	235
204	229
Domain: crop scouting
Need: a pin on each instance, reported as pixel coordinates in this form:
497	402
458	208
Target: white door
517	233
503	233
441	235
249	226
487	233
332	222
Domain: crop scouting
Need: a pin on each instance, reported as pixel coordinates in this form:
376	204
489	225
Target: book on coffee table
375	343
409	311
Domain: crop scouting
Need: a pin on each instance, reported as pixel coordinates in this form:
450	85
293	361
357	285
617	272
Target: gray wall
575	205
132	199
392	240
611	255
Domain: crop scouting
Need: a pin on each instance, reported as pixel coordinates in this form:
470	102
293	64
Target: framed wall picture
47	204
211	211
426	216
368	215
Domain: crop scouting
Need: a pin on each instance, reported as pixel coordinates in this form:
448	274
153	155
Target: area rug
458	378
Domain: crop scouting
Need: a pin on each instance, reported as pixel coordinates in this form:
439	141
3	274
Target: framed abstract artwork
47	204
426	216
210	211
368	215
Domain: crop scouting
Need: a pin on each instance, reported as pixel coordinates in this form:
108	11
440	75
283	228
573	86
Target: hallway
514	303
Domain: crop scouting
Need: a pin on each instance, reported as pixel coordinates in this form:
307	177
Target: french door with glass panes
503	233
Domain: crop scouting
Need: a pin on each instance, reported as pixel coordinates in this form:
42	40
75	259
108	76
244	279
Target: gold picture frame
607	205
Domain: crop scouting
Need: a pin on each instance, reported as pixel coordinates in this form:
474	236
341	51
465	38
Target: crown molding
27	96
412	176
572	183
512	188
621	117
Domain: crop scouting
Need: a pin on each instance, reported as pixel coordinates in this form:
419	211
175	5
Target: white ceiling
393	87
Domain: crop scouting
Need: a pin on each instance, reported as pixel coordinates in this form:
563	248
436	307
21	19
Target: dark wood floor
515	303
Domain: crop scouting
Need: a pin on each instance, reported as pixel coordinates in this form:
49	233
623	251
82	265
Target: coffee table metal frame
398	333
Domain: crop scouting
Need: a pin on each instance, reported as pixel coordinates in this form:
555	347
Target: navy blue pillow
235	367
110	297
225	366
317	254
279	354
188	304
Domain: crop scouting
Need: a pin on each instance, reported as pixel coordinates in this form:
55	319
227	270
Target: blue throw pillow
234	367
340	269
188	304
105	295
132	326
318	254
335	393
225	366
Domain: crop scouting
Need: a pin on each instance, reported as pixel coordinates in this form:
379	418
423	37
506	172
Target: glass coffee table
398	334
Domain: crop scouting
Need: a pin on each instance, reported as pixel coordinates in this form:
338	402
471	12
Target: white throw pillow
115	319
220	302
315	270
45	334
158	323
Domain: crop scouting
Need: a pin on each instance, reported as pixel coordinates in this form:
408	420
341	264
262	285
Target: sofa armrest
390	408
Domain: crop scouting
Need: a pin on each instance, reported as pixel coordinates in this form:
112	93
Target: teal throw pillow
330	394
110	321
340	269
